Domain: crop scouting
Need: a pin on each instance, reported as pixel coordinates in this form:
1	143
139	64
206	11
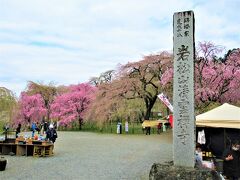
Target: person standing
6	128
51	133
118	128
164	127
18	130
171	120
45	126
148	130
42	128
38	127
159	126
231	162
126	126
120	124
33	128
198	156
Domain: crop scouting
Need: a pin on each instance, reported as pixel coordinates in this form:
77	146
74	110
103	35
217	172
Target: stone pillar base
169	172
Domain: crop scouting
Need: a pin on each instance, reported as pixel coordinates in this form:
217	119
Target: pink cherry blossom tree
232	73
48	92
72	105
30	108
132	82
216	79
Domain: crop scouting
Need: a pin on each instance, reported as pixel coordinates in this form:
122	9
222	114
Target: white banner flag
165	101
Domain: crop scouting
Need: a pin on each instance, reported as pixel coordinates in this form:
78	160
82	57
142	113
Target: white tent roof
226	115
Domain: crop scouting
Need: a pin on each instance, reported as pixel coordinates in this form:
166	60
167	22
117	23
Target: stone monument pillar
183	89
183	106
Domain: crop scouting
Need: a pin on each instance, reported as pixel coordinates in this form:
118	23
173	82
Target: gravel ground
93	156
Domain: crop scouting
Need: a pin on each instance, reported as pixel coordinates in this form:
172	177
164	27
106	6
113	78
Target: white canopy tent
224	116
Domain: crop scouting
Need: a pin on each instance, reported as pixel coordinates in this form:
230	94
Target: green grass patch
110	128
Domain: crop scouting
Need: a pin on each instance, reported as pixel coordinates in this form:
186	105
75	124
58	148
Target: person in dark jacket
51	133
18	130
45	126
38	128
148	130
159	127
231	162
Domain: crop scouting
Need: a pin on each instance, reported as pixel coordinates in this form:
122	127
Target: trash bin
3	163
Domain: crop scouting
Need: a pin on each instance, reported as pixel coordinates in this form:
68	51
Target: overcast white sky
69	41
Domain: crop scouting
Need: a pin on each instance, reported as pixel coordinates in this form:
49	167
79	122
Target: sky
69	41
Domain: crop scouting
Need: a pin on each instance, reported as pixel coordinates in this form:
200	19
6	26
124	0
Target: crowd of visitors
45	128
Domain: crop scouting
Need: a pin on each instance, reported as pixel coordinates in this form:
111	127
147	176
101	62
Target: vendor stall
221	125
26	147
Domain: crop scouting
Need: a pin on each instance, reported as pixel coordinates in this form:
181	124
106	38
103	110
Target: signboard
165	100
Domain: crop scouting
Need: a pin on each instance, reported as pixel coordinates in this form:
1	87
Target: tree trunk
48	114
80	123
148	113
149	105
